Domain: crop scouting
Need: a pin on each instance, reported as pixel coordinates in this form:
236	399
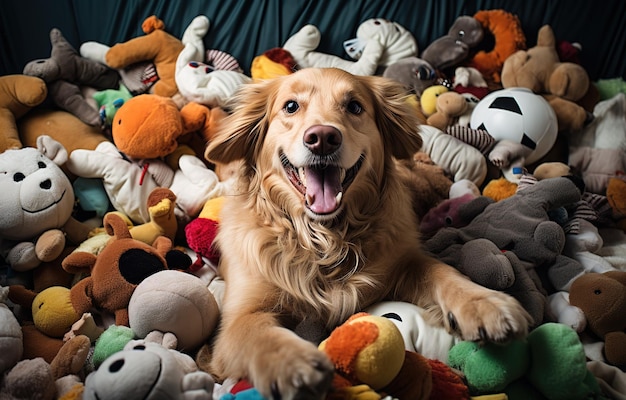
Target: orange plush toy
370	360
150	126
156	46
506	30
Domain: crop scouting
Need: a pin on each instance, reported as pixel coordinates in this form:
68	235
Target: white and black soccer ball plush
518	115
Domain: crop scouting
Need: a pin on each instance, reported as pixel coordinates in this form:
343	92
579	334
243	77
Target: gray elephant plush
520	225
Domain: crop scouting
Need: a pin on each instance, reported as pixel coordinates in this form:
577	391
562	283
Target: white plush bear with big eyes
36	204
147	370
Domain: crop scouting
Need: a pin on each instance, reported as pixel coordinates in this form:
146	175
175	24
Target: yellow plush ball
53	312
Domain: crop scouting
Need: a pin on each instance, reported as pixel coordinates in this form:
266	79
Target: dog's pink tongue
322	188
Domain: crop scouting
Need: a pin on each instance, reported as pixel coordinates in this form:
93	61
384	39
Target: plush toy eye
354	107
116	366
41	164
597	291
139	347
18	177
291	107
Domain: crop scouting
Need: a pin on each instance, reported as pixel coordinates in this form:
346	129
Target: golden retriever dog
322	226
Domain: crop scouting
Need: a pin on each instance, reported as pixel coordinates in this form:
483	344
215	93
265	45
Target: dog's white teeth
309	199
339	197
302	175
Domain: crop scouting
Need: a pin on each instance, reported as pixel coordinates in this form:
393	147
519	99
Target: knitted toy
65	71
602	298
11	342
147	370
519	224
562	83
18	95
369	356
549	364
116	271
156	46
37	201
505	30
453	48
38	379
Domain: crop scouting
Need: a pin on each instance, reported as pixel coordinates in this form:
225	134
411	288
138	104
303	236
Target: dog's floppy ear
240	134
397	120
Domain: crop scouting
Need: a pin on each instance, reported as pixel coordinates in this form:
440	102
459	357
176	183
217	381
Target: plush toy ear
18	294
78	262
52	149
116	226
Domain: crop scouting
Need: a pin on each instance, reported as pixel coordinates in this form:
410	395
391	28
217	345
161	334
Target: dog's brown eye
355	107
291	107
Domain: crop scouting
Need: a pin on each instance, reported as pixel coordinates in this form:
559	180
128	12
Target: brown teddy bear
156	46
563	84
18	95
602	297
116	271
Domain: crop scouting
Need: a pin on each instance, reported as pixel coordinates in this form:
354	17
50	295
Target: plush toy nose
322	139
47	184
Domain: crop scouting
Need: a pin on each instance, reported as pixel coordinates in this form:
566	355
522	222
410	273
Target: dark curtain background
247	28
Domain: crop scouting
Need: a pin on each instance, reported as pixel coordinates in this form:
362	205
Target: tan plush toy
116	271
157	46
563	84
18	95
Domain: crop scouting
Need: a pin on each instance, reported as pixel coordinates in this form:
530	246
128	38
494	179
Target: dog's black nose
322	139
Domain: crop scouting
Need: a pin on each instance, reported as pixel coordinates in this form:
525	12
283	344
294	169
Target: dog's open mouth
322	184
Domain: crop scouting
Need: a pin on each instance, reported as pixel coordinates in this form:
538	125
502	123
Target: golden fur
283	262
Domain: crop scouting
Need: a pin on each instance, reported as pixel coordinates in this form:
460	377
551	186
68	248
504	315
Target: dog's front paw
295	370
488	315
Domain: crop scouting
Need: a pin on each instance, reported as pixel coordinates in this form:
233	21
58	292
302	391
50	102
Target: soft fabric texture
11	344
116	271
65	71
458	159
175	302
156	46
18	95
602	297
200	82
540	70
37	205
519	224
453	48
146	370
550	363
508	36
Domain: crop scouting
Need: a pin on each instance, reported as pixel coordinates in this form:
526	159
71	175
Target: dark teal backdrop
246	28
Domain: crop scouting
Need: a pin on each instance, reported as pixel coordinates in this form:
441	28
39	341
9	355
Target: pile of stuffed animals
109	209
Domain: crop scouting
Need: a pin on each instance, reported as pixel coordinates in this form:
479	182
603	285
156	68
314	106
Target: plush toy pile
109	284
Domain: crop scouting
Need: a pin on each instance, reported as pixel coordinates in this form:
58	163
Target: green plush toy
549	364
109	101
112	340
